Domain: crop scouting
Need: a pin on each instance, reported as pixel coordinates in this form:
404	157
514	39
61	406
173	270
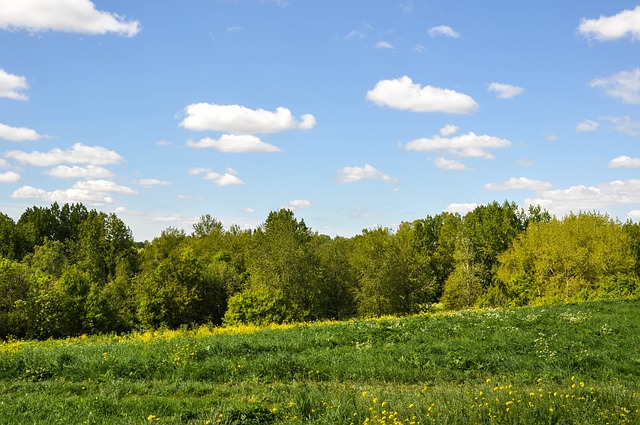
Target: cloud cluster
77	16
238	119
11	85
368	172
403	93
92	192
588	198
624	85
243	143
77	172
504	91
77	154
608	28
18	134
9	177
465	145
227	179
443	30
624	162
520	183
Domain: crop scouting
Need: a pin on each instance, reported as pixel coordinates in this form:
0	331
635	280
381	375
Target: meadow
561	364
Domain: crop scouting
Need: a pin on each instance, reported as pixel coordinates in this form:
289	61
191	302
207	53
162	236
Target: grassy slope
555	364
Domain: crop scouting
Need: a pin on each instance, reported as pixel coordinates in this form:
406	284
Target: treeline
69	270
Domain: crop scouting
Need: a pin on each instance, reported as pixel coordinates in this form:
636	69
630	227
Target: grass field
564	364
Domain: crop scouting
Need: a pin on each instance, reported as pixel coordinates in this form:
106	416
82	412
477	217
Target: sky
353	114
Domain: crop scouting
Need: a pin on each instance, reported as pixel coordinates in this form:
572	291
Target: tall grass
575	363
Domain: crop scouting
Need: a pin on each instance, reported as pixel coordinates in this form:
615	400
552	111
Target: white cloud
368	172
522	183
103	186
9	177
607	28
465	145
18	134
299	204
77	154
625	125
624	85
504	91
152	182
525	162
448	130
589	198
238	119
419	48
234	28
461	208
403	93
75	172
449	164
587	125
624	162
384	45
235	144
634	215
551	137
63	196
407	6
10	85
226	179
78	16
443	30
3	163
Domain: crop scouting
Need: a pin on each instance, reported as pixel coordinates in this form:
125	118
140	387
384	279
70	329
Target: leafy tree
207	226
10	241
464	285
261	307
568	259
281	259
14	290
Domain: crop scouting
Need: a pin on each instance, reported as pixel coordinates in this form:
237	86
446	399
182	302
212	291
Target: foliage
579	257
69	270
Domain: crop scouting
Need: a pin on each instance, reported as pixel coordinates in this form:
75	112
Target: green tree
464	285
14	290
569	259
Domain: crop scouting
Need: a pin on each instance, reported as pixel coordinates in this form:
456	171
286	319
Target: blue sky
353	114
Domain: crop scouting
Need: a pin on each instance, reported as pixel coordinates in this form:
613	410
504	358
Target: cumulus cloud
18	134
634	215
76	16
403	93
448	130
299	204
77	154
63	196
443	30
10	85
465	145
238	119
589	198
519	183
624	85
587	126
624	125
227	179
103	186
449	164
235	144
368	172
608	28
9	177
624	162
461	208
76	172
504	91
384	45
152	182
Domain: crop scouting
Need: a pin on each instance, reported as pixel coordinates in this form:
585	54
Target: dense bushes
68	271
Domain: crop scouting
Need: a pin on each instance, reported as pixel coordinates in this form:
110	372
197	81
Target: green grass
576	363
